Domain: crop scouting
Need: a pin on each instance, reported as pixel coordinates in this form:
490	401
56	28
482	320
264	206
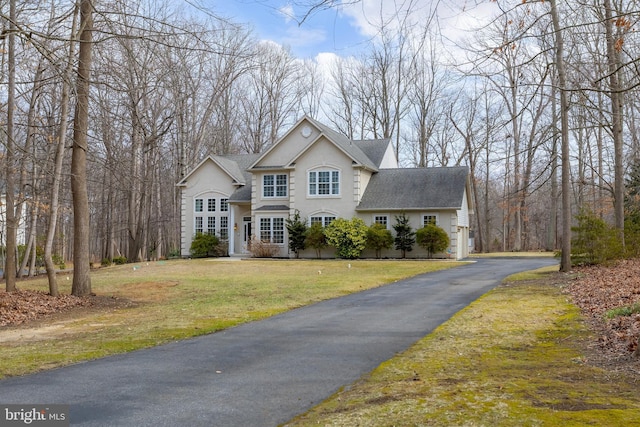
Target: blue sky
346	30
326	31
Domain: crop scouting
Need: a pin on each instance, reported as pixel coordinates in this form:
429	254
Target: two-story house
323	175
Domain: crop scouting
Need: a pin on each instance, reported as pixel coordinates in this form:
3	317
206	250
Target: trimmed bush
349	237
314	238
433	238
205	245
379	238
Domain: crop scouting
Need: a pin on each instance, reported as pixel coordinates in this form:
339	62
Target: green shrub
594	241
57	259
296	230
349	237
623	311
405	236
433	238
205	245
314	238
119	260
378	238
106	262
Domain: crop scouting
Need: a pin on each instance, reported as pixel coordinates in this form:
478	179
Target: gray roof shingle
374	149
243	194
417	188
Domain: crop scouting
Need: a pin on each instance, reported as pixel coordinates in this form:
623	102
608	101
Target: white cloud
298	37
456	17
288	13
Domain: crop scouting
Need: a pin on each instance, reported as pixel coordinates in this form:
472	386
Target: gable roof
374	149
233	165
416	188
350	148
346	145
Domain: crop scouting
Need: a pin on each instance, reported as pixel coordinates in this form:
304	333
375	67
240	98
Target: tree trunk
10	262
565	261
81	279
552	232
613	60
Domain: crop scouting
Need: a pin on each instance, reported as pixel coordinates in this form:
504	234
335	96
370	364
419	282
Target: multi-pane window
224	227
212	218
211	225
381	219
274	185
324	183
278	230
324	220
272	230
429	219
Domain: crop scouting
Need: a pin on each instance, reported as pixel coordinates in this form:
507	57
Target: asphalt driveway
263	373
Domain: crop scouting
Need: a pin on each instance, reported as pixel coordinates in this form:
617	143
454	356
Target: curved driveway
262	373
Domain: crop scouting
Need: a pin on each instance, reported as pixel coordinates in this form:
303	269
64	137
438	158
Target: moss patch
510	358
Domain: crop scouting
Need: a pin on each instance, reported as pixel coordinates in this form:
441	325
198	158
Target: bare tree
565	261
10	263
81	249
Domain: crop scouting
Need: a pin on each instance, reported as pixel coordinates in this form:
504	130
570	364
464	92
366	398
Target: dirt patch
34	315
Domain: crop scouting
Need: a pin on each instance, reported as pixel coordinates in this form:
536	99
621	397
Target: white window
381	219
212	218
324	220
211	225
224	227
430	219
324	183
274	185
272	230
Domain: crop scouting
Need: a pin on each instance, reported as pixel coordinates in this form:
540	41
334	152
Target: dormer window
324	182
274	185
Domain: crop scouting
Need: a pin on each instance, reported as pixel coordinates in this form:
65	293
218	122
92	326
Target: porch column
232	232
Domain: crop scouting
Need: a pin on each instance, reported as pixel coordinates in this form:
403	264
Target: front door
246	234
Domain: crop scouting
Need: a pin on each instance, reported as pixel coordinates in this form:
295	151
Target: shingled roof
243	194
374	149
416	188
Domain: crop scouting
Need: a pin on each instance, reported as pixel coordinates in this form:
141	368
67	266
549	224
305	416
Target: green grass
546	254
623	311
174	300
511	358
539	273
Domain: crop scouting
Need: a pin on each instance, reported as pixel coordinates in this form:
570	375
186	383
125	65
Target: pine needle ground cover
514	357
147	304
